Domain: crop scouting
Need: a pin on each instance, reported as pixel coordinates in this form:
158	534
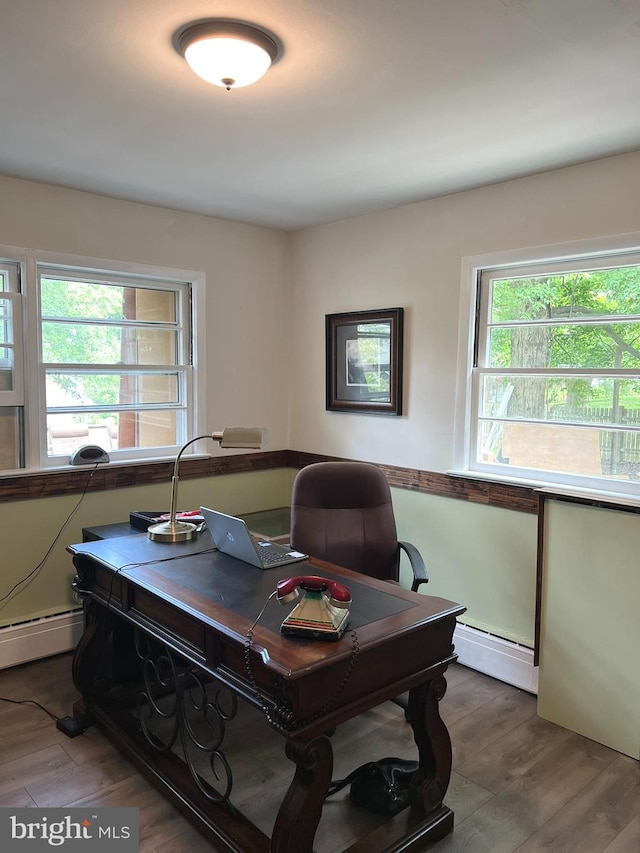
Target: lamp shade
227	54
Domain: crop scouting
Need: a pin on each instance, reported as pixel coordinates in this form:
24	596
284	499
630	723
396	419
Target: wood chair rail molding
115	476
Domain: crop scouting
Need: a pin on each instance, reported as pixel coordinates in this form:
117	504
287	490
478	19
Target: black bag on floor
380	786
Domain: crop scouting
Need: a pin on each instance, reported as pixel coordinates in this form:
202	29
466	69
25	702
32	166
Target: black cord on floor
67	725
30	702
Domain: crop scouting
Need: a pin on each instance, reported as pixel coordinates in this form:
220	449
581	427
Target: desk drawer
168	620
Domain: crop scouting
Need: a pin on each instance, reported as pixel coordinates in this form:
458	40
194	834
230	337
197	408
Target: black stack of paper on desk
143	519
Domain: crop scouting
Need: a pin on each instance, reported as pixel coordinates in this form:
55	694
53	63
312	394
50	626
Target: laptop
231	536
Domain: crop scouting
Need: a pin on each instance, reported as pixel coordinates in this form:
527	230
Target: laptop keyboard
270	556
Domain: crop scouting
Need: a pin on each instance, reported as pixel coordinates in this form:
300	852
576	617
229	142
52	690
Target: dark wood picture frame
364	361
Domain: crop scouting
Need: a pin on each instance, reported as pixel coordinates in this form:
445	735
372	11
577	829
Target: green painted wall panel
28	529
480	556
590	629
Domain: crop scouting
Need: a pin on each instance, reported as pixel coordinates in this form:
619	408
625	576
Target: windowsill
62	469
118	463
595	497
591	496
497	478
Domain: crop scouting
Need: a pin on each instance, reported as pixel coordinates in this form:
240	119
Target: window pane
92	301
10	438
7	351
111	430
593	346
6	336
586	451
596	293
564	344
95	301
6	370
576	400
111	389
80	343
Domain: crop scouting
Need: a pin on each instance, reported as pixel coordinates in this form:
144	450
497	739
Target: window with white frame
11	368
555	383
109	362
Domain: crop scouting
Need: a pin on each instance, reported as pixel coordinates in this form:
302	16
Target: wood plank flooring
519	783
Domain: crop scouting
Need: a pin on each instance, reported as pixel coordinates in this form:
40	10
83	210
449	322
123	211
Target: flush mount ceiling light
227	53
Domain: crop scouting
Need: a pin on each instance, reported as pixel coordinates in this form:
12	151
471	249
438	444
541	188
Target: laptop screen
231	536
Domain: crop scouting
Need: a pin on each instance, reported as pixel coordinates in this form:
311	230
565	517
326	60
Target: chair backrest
342	512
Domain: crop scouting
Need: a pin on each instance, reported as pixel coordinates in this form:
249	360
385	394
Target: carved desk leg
434	746
301	809
88	669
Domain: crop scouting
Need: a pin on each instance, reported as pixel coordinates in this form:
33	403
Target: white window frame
580	254
12	294
33	386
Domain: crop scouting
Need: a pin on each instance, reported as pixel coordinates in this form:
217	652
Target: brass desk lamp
172	531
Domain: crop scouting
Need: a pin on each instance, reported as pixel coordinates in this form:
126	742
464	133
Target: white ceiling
373	104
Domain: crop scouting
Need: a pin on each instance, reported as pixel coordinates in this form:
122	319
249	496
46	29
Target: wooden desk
165	623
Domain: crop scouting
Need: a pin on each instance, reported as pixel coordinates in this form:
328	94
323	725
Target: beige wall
247	270
483	557
248	302
410	257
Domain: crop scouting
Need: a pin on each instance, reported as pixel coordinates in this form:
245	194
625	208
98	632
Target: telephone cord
279	716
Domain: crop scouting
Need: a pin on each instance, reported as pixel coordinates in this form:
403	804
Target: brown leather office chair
342	512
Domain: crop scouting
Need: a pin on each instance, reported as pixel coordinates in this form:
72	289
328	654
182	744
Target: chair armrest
418	567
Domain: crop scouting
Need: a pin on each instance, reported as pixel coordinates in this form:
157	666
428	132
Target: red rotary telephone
322	614
339	595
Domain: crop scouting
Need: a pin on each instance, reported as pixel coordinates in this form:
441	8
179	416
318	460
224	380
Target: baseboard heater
502	659
40	638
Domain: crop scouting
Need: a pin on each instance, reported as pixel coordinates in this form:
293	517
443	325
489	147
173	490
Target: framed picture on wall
364	361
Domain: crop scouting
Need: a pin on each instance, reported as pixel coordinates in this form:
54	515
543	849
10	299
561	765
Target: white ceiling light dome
230	54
